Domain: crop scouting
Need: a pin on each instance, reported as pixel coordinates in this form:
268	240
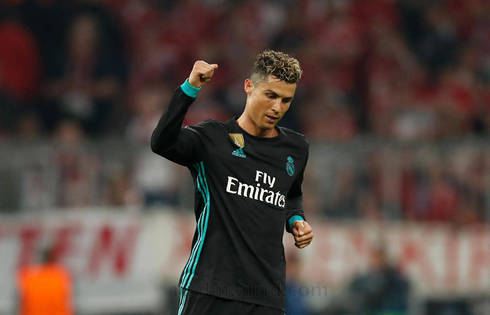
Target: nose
276	107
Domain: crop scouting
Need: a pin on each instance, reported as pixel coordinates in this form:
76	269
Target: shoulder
210	123
295	137
208	126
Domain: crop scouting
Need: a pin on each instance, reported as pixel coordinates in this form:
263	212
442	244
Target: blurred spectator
20	71
329	116
372	185
438	46
156	178
345	202
443	196
48	21
121	189
30	126
146	109
85	84
290	36
76	168
381	290
45	288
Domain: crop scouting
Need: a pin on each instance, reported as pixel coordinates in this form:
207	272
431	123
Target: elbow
156	148
154	144
153	148
159	145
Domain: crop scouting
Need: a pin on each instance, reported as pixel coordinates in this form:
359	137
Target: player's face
268	101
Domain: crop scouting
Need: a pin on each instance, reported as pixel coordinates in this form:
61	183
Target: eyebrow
277	95
270	91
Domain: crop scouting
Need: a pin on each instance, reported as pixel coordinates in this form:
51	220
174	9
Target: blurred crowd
82	70
406	69
445	182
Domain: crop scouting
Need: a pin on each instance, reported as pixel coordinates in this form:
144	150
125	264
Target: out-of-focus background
395	100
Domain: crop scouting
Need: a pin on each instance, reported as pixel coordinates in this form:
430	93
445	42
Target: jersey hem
231	292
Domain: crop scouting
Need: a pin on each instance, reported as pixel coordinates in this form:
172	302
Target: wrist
189	89
293	219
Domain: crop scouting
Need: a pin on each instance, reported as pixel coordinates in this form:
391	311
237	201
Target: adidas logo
239	153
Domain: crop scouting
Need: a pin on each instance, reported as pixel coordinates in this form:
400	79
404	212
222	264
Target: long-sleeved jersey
246	190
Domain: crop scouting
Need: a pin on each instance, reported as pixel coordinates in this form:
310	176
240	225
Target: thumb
295	231
300	227
215	66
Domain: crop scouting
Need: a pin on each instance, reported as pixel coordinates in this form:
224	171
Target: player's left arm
295	217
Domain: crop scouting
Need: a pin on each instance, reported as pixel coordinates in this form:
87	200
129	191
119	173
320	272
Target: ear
248	86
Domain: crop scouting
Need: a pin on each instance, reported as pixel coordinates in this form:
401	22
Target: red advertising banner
105	251
437	259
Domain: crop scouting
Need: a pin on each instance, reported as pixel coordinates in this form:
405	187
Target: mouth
271	118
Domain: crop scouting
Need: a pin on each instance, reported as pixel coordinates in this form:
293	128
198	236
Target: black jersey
246	190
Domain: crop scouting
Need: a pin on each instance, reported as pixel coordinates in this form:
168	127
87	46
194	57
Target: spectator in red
443	197
19	61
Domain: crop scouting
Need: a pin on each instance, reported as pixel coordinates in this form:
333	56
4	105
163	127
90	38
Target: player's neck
251	128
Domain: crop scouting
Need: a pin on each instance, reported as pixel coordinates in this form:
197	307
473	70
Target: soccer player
248	174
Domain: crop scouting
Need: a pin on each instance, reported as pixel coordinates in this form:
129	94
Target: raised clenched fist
201	73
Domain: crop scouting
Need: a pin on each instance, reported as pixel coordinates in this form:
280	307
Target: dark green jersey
246	190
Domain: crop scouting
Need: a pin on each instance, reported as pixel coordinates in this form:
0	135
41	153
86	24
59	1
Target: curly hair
278	64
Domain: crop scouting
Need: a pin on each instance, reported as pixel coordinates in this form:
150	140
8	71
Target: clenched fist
201	73
303	233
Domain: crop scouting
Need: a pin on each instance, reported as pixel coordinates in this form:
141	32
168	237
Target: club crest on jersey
290	166
237	139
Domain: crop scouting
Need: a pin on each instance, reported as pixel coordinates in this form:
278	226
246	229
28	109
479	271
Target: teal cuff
294	218
189	89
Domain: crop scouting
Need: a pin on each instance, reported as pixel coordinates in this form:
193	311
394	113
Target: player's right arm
169	139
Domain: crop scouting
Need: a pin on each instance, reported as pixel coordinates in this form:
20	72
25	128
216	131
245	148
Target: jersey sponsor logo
256	192
239	152
290	166
237	139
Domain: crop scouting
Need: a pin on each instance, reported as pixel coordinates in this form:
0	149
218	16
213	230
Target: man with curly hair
248	174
